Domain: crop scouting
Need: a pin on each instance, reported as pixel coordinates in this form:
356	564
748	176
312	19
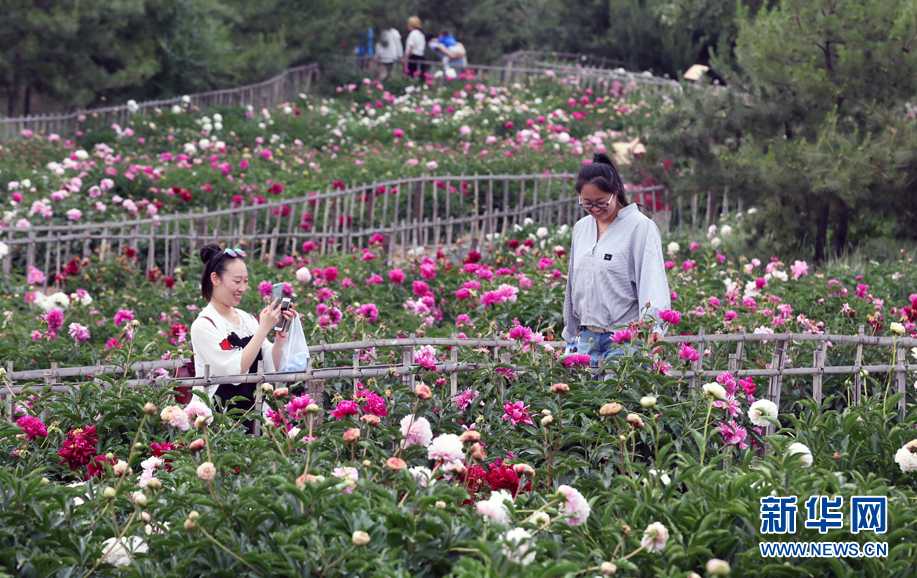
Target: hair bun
209	251
602	158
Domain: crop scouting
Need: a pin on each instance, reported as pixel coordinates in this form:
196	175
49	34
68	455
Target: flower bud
648	401
149	409
121	469
193	515
560	388
2	372
146	517
267	388
109	493
45	481
837	456
547	420
524	470
545	412
154	483
608	568
360	538
370	419
611	409
110	457
135	323
395	464
541	518
312	408
189	525
352	435
626	529
470	435
140	498
281	392
477	452
367	464
440	504
197	445
423	391
301	480
634	420
200	421
717	567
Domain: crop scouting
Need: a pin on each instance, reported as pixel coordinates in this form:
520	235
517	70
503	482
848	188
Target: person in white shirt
617	270
389	50
414	48
231	341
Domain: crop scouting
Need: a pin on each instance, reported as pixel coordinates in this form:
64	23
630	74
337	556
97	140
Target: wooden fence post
901	379
818	378
774	388
857	378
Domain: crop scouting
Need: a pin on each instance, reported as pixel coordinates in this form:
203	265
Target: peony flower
516	546
493	508
206	471
446	447
32	426
416	431
175	417
733	434
79	447
688	353
515	412
576	508
655	537
760	409
119	553
197	409
350	476
804	453
345	408
423	476
906	457
715	390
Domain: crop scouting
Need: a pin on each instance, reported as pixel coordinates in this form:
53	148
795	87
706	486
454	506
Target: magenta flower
622	335
577	359
492	298
369	312
799	268
123	316
515	412
421	289
79	332
862	290
520	333
32	426
374	280
35	276
331	274
396	276
464	399
374	404
55	319
733	434
345	408
694	246
112	344
670	316
688	353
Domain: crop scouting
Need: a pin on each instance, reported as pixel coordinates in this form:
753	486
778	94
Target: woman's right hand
269	317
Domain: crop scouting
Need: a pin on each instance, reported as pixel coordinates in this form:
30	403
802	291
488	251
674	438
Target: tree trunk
27	102
822	234
15	90
840	234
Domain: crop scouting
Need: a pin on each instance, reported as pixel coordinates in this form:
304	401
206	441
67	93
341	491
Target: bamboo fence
411	213
778	368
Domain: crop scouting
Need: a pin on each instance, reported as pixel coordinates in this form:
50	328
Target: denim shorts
599	344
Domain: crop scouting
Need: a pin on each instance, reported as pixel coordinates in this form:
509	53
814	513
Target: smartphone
284	306
277	294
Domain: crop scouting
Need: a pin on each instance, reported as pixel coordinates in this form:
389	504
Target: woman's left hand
289	315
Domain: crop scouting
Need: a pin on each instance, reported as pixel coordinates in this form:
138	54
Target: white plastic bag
295	355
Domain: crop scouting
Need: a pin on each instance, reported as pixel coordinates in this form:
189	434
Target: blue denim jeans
601	345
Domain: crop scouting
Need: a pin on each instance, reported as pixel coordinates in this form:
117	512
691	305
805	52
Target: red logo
225	345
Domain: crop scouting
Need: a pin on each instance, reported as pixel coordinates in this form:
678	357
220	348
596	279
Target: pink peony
369	312
32	426
733	434
197	409
799	268
688	353
576	508
515	412
464	399
416	431
374	404
577	359
345	408
79	332
622	335
123	316
670	316
206	471
396	276
446	447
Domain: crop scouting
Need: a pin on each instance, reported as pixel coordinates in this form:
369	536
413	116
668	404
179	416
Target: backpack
184	394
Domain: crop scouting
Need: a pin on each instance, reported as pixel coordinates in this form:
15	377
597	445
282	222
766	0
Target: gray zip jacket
610	282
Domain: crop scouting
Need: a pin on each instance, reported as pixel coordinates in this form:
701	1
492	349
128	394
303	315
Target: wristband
281	334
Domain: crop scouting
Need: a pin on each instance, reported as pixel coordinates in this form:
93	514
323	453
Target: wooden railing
282	88
896	371
410	213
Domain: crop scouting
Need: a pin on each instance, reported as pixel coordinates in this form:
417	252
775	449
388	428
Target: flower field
534	467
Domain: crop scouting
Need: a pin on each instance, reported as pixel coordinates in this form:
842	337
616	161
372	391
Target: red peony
97	466
78	448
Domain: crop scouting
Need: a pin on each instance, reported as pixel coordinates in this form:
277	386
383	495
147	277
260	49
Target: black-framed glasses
590	206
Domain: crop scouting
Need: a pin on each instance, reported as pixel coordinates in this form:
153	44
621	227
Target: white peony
303	274
516	546
541	232
762	408
493	508
673	247
176	109
896	328
4	250
715	390
119	553
804	453
725	231
58	300
906	457
563	138
715	242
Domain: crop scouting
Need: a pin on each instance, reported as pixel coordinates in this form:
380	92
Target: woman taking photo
231	341
617	273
